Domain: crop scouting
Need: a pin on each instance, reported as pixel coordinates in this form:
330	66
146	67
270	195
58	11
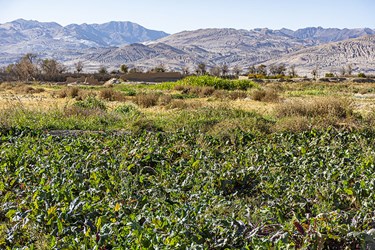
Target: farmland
198	164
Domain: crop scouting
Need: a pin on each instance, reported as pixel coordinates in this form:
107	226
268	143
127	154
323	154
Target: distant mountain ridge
95	35
114	43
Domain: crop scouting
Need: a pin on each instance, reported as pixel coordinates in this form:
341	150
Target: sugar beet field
182	190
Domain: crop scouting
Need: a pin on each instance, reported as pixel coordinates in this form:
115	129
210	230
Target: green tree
124	68
362	75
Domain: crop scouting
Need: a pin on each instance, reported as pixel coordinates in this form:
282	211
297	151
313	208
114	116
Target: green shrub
91	103
127	109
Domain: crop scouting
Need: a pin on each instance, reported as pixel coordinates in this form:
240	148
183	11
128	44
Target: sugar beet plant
187	191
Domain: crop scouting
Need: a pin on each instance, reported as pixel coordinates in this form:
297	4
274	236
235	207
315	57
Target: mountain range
115	43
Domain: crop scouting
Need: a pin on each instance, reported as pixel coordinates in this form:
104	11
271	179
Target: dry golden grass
111	95
268	95
341	106
324	106
184	104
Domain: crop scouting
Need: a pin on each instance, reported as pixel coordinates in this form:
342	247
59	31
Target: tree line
30	67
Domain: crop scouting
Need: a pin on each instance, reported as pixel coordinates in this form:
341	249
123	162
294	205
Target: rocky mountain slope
236	47
115	43
64	43
359	53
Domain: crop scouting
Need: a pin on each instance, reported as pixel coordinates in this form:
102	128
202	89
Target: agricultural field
202	163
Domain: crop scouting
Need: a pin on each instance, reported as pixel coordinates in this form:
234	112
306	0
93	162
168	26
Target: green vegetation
211	81
362	75
188	165
180	190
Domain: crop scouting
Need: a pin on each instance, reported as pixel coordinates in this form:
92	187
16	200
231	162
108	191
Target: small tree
315	73
261	70
185	70
136	70
276	70
124	68
224	69
329	74
215	71
160	68
51	68
237	70
349	70
26	67
201	69
292	71
342	71
252	70
79	66
103	70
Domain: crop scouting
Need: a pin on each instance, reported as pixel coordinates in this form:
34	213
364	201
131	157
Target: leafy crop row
182	190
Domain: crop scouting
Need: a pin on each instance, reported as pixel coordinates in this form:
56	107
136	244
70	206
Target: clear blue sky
177	15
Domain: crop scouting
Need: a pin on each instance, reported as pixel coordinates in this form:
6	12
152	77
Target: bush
268	95
127	109
72	92
165	99
236	95
91	103
329	75
322	107
362	75
111	95
182	104
147	100
195	91
28	90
